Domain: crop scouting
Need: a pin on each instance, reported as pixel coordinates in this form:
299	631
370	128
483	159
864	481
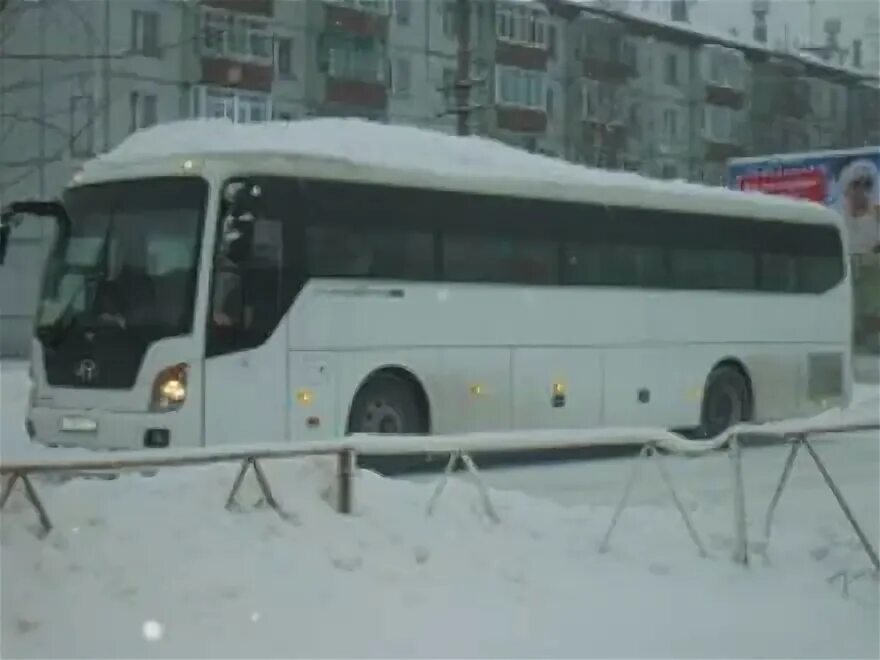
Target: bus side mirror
5	230
11	216
242	202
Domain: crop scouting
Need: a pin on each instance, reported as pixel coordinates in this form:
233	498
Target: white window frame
589	99
290	73
237	35
530	86
719	123
139	45
340	65
601	101
237	105
402	64
139	104
730	64
523	26
671	129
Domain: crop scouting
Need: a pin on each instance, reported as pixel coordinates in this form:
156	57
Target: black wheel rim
379	416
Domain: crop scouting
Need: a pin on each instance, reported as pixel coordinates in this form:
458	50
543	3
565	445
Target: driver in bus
228	308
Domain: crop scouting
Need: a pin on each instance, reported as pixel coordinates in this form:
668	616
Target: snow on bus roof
402	148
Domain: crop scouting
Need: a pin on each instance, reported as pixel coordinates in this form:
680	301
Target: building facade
586	82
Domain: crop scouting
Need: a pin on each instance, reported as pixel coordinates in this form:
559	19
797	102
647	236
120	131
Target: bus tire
386	404
727	401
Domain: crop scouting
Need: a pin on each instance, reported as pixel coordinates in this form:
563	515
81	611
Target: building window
82	126
402	74
600	101
239	37
145	33
402	9
449	19
283	57
235	105
520	25
520	87
670	123
449	78
719	123
352	59
726	67
634	123
143	109
629	55
672	69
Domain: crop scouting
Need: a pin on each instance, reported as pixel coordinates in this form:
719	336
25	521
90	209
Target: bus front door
246	348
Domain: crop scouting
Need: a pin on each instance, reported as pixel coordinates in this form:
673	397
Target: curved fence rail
460	448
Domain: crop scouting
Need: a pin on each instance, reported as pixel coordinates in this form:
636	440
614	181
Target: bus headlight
169	389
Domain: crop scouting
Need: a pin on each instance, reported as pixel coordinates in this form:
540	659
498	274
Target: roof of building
709	35
359	150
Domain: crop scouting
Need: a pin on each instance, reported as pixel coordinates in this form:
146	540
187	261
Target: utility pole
463	73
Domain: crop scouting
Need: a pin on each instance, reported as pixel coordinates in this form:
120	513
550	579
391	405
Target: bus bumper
90	429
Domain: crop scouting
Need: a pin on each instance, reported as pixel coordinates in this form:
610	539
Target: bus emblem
87	371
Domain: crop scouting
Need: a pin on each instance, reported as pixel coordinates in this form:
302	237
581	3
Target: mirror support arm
10	217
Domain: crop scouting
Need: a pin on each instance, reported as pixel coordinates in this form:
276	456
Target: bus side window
778	273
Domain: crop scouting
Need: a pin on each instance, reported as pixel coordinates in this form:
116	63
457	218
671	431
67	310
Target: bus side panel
476	391
312	392
557	388
643	387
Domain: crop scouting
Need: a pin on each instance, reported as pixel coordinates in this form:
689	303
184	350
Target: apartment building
587	82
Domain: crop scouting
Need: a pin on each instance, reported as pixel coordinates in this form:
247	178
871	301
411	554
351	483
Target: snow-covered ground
155	567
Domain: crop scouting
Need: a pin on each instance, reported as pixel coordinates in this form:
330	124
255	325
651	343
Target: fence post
346	468
741	543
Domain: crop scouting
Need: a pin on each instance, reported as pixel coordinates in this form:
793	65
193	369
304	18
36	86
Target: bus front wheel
726	402
389	404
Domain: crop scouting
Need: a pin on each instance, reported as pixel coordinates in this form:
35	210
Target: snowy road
154	567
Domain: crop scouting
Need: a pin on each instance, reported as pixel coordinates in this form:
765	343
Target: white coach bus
216	283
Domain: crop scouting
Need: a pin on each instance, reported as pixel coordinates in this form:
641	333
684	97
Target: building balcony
533	58
725	96
256	7
223	72
371	95
355	22
520	119
607	70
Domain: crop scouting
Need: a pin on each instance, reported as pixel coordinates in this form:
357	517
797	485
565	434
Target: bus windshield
128	263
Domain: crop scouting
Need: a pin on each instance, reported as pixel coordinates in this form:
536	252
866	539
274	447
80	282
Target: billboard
848	181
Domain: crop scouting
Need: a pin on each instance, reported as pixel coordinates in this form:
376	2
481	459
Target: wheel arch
401	373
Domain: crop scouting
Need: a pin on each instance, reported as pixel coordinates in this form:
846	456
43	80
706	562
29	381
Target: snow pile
155	567
361	142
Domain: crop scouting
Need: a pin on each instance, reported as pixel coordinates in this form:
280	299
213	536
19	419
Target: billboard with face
849	182
844	180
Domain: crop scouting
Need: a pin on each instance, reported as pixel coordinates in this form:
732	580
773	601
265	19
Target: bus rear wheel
726	401
386	404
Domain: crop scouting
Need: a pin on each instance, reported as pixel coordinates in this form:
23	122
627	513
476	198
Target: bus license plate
78	425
